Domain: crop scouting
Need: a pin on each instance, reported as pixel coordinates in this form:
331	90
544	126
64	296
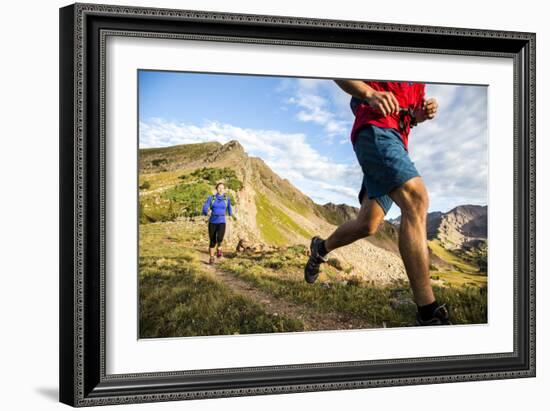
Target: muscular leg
367	221
412	198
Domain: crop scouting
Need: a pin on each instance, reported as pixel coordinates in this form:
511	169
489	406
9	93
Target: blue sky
301	129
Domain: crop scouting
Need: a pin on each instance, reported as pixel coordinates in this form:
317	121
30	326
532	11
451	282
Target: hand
384	102
428	111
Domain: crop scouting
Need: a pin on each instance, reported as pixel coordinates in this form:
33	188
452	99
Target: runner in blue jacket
219	205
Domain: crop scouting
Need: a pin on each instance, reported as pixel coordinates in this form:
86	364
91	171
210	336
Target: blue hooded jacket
218	208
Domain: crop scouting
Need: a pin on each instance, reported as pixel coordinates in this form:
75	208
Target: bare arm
356	88
383	101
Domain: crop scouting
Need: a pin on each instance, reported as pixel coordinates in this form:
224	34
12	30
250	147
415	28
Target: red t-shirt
408	94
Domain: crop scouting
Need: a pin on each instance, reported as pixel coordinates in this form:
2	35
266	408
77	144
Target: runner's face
221	189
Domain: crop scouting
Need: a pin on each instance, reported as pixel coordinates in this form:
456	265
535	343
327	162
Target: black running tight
216	231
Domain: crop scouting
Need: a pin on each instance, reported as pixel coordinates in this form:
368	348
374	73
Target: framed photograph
269	204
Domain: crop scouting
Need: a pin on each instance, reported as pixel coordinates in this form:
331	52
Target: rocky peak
230	150
232	145
462	225
470	221
339	213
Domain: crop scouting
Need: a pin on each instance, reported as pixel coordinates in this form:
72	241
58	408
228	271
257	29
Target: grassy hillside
463	270
154	160
274	222
186	197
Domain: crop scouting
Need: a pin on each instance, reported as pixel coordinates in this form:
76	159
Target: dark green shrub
215	175
234	184
190	197
274	264
158	161
354	281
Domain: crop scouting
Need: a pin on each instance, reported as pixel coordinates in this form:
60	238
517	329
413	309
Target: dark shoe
219	253
311	271
440	317
212	260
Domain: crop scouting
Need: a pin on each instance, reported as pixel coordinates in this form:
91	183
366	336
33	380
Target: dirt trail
312	319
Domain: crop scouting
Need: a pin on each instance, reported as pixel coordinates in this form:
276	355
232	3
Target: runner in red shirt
384	114
403	94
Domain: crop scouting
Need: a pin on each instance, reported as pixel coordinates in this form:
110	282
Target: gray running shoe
440	317
311	271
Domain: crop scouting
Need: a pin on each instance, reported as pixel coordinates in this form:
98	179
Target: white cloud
288	154
450	151
346	191
320	102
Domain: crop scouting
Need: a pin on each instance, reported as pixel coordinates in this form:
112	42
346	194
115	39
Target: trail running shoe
440	317
219	253
311	271
211	260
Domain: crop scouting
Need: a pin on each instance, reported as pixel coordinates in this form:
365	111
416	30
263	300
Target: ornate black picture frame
83	29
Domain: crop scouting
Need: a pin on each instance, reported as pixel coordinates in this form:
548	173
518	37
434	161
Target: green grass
470	268
452	258
178	300
152	210
282	277
476	255
160	180
366	303
167	239
457	278
189	197
273	222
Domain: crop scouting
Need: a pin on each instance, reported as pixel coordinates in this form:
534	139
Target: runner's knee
367	228
413	201
416	208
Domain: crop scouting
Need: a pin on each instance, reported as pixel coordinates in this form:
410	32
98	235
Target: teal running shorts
385	163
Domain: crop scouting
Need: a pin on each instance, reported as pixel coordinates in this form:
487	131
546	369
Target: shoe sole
310	280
